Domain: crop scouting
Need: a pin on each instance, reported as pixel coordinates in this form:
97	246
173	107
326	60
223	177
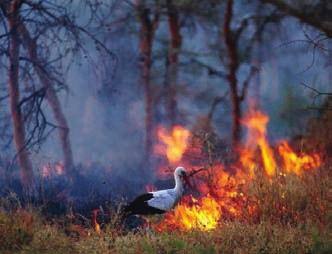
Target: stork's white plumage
158	202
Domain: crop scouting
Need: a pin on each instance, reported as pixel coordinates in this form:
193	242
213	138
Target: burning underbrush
264	181
289	216
267	193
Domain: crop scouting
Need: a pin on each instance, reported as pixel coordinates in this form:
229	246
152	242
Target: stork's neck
178	185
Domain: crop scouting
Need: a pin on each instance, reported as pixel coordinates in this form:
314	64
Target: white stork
158	202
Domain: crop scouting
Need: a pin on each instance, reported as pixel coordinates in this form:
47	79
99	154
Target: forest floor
304	228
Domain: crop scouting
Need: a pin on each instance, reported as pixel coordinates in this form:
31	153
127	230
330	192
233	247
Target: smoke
106	112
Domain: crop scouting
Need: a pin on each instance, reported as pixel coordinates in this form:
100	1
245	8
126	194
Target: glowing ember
256	122
50	169
174	143
59	168
46	170
296	163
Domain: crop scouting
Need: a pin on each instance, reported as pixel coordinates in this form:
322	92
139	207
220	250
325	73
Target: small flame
97	228
95	223
46	170
174	143
50	169
296	163
59	168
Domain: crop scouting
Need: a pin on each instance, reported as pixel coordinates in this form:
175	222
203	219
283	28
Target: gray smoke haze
106	112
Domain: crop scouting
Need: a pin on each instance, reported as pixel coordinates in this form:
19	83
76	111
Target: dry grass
291	199
292	217
230	237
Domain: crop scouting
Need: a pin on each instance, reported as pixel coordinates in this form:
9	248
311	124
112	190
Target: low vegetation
293	217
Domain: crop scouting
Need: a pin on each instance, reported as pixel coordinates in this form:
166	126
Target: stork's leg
147	223
152	220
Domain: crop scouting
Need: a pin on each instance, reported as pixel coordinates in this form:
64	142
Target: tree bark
147	30
172	61
233	64
14	94
257	58
51	97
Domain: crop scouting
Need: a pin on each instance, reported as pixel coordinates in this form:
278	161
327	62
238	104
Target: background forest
97	97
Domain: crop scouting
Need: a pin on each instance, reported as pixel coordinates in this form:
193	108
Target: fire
50	169
223	195
203	214
174	143
296	163
97	228
95	223
46	170
256	123
221	199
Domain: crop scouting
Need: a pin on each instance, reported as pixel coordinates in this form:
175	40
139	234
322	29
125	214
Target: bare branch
194	172
246	82
211	70
307	15
316	91
217	100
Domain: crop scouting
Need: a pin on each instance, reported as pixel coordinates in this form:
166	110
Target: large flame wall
219	194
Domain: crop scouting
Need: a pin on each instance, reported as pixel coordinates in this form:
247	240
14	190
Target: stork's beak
187	181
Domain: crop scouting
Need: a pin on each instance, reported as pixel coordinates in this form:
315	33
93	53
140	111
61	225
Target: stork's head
181	173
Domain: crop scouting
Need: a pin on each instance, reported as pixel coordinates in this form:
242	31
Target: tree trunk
236	115
329	47
51	97
172	61
14	94
233	64
257	58
145	45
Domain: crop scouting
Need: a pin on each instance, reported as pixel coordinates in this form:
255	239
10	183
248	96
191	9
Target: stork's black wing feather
140	206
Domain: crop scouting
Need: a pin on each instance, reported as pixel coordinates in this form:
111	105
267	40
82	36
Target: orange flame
202	214
223	193
296	163
95	223
205	213
256	122
97	228
174	143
